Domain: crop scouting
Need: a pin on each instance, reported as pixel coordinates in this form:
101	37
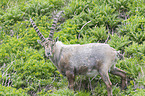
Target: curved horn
53	27
37	30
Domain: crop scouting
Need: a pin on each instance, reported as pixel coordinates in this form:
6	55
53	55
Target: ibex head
47	43
48	46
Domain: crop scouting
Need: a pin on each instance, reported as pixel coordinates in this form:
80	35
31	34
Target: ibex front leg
105	77
71	79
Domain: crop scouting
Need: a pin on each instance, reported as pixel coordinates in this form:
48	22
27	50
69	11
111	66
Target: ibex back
88	59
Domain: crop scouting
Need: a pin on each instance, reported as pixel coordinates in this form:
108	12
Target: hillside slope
23	66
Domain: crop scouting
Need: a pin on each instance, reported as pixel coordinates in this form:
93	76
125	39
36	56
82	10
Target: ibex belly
87	64
92	73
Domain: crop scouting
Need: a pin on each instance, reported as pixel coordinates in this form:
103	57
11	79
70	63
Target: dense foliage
25	71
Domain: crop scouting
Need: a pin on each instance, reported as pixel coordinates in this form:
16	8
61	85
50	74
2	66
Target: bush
9	91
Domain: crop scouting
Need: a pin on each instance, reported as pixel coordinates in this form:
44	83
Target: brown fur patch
82	70
64	64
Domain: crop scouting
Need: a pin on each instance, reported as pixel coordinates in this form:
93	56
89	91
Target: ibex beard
88	59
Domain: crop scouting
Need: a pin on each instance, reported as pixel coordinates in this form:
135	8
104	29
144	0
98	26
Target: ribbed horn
37	30
53	27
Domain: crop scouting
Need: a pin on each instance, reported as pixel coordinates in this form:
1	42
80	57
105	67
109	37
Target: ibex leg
71	79
122	74
105	77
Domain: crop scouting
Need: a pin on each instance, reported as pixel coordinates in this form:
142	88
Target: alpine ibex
88	59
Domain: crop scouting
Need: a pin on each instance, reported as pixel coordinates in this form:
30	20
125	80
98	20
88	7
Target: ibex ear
56	39
39	42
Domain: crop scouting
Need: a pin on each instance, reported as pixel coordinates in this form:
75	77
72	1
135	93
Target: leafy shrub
9	91
129	65
134	28
28	67
135	50
10	47
68	92
39	7
119	43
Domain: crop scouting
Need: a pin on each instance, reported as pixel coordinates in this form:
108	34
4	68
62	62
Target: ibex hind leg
122	74
105	77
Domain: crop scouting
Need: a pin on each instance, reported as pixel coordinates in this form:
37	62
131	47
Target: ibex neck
56	52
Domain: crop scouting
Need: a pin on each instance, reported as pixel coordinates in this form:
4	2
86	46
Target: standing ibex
88	59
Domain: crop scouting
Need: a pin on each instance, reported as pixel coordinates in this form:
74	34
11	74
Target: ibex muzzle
88	59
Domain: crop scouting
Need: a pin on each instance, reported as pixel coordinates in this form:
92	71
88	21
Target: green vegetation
24	70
